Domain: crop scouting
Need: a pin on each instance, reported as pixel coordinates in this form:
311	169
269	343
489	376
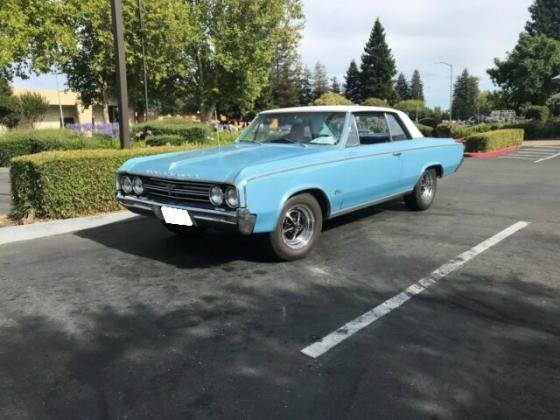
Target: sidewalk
5	198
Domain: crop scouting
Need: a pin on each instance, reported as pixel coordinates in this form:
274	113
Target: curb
38	230
493	153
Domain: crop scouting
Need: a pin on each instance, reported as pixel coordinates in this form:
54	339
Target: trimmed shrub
429	121
331	98
375	102
493	140
26	142
191	132
426	130
538	113
165	140
462	131
64	184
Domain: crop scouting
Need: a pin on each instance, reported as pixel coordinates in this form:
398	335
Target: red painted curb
493	153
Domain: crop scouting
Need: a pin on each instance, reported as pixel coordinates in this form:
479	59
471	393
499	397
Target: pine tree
465	96
402	91
545	18
284	82
335	86
378	66
416	87
305	87
320	80
353	85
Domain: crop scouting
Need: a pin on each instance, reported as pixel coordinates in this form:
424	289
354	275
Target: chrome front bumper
242	217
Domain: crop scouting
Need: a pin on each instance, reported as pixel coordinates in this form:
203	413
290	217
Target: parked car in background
289	171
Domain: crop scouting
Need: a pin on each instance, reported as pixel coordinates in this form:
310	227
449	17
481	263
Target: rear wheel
424	192
298	228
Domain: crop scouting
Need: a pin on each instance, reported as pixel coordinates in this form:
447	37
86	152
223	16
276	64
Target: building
73	111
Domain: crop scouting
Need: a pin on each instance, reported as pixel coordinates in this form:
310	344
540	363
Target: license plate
176	216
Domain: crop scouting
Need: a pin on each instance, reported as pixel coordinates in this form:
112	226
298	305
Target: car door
404	144
372	165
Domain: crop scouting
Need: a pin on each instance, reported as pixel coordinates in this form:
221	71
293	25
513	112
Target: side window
353	137
396	128
372	127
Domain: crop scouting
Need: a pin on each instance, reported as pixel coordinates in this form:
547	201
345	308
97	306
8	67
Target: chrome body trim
197	213
368	204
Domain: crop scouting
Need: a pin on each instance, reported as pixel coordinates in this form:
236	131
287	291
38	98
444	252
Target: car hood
216	164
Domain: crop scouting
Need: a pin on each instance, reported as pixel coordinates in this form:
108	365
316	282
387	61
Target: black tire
181	230
294	238
424	192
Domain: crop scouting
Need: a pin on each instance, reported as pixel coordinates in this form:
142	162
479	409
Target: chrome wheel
297	226
427	186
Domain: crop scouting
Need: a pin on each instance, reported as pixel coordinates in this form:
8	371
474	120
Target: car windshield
295	127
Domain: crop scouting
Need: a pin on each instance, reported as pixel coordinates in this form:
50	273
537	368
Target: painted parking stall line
322	346
534	154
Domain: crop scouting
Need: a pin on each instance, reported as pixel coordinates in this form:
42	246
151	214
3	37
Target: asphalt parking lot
128	321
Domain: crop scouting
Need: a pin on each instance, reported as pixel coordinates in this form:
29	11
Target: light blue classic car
290	170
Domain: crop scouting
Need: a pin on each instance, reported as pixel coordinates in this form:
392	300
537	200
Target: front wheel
298	228
424	192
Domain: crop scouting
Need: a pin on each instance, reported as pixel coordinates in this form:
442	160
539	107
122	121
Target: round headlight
232	199
126	184
216	195
137	186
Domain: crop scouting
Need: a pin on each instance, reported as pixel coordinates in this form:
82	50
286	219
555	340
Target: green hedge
461	131
191	132
537	130
493	140
64	184
26	142
165	140
426	130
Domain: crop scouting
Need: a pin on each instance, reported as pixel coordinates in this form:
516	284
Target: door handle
397	153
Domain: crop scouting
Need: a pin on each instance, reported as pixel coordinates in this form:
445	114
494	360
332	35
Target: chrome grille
176	190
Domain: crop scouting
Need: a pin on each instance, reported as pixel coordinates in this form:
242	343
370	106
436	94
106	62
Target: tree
402	91
465	95
331	98
378	66
413	107
34	106
353	85
483	104
10	106
320	80
525	75
305	87
416	87
335	85
545	19
285	77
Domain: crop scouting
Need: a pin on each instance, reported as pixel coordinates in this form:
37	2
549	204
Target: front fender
266	197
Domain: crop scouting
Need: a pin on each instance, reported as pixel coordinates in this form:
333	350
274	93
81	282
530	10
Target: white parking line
547	158
347	330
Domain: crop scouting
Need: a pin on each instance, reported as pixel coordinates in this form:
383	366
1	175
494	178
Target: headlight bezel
216	189
138	190
228	196
126	184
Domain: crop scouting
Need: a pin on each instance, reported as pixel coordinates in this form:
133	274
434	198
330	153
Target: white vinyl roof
329	108
412	129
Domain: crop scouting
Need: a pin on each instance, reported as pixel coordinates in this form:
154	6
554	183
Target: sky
465	33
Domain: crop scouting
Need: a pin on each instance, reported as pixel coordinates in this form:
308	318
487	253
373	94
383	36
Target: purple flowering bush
110	130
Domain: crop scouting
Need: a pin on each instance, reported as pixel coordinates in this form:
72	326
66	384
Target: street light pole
450	87
141	19
118	35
